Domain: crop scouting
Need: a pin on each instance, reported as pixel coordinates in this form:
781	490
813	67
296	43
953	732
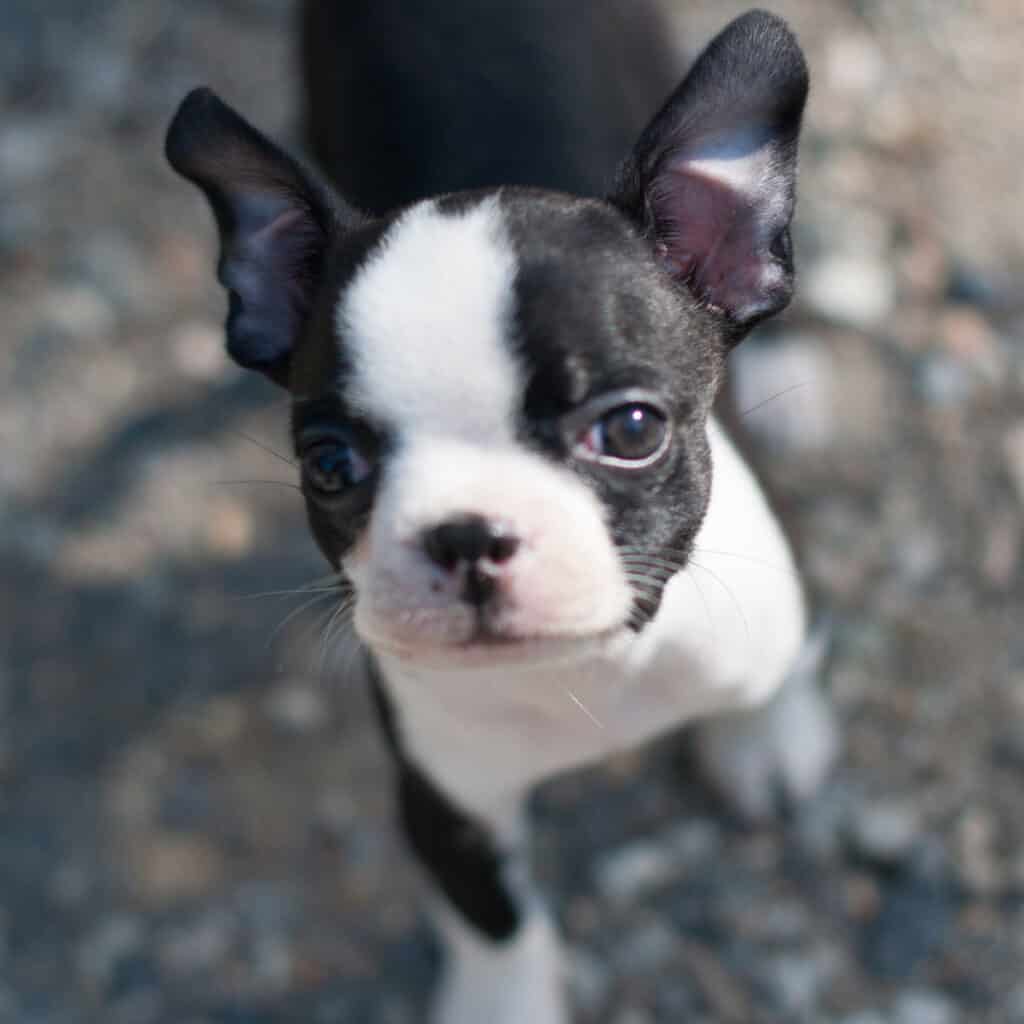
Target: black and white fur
502	401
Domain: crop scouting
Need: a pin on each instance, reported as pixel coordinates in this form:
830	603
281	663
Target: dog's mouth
484	645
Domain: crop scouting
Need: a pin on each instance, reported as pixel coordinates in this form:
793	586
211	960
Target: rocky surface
195	828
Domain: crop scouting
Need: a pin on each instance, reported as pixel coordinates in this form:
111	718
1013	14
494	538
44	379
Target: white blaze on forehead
425	323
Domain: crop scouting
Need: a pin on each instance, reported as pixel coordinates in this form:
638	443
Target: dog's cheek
569	581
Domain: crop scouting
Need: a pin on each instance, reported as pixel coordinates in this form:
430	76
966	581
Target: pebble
884	831
943	381
229	528
30	149
1015	1005
197	945
853	63
114	939
853	289
79	311
198	350
169	867
297	707
629	871
1013	453
977	841
645	948
632	1015
923	1006
589	981
796	982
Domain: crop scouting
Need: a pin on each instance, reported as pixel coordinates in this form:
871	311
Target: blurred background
195	827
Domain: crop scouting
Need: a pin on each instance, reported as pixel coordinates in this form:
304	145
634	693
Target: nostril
470	539
502	547
440	549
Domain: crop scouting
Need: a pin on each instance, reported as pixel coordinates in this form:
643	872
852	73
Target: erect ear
276	223
712	180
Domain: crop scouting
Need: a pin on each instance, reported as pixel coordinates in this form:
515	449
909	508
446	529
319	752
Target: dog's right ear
276	221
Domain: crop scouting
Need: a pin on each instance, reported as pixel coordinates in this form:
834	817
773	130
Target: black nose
471	539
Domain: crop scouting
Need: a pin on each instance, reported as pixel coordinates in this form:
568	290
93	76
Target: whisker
572	696
292	614
732	597
749	558
265	447
269	483
771	398
656	586
704	603
330	631
652	565
300	592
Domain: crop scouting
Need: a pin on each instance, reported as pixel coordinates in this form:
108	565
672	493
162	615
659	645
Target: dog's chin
485	648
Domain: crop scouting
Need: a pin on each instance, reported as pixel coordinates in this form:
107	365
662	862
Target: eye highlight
632	435
334	465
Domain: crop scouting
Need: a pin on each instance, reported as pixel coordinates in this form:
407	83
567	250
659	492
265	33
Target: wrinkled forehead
426	325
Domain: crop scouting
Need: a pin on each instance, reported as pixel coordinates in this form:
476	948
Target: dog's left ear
276	221
712	180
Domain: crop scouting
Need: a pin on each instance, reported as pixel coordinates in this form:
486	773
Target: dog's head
500	398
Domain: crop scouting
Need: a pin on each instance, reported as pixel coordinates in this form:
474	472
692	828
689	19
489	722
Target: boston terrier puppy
501	402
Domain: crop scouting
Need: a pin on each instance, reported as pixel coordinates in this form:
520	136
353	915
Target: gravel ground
195	828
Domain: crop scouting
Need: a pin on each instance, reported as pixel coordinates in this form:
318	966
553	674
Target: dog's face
500	398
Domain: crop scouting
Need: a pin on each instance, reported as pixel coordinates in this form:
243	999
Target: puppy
501	402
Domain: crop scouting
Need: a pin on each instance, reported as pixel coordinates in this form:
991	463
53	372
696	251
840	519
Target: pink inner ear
715	236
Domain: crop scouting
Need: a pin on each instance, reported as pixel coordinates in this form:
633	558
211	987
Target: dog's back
411	98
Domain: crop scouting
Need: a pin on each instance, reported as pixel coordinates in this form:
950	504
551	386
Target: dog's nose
471	539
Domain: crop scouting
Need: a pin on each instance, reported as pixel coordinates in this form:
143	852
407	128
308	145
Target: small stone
695	842
1001	549
70	885
796	983
229	528
198	350
943	381
169	867
646	948
297	707
30	149
1015	1005
854	290
967	336
919	555
79	311
884	832
105	946
588	981
1013	453
853	63
198	945
626	873
632	1015
977	835
924	1006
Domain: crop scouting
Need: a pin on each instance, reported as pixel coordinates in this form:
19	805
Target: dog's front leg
503	963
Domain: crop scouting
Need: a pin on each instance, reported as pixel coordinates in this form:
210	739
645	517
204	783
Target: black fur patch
459	853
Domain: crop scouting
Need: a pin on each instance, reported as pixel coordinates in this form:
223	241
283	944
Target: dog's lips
485	647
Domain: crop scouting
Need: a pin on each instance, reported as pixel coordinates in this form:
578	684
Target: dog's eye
632	435
331	467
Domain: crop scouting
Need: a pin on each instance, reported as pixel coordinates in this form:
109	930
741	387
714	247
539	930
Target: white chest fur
729	627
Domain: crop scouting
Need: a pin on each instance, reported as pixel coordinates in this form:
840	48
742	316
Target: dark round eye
333	466
631	434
